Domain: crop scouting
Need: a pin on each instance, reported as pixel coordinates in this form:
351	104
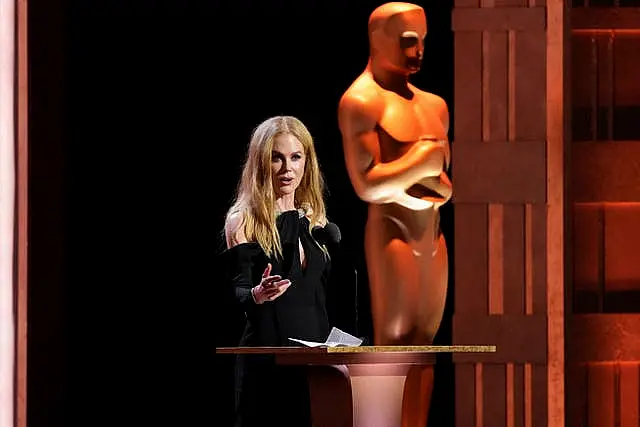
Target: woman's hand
270	287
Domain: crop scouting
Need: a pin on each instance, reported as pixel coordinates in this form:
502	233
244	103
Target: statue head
396	37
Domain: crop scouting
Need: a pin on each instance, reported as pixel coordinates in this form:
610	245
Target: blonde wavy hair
254	201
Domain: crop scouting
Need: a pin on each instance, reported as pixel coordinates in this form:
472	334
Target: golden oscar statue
396	151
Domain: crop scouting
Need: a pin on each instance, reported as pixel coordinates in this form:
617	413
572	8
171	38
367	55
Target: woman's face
287	164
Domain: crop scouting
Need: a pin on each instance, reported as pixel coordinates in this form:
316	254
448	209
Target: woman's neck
285	203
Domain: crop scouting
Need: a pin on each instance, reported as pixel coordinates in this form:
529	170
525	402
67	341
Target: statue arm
444	117
373	180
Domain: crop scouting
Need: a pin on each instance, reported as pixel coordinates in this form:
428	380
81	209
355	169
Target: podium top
360	349
376	355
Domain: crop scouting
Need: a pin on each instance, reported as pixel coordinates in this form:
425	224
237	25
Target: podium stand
356	386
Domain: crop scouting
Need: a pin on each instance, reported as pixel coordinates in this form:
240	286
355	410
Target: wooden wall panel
622	247
604	337
606	244
624	18
518	338
467	3
499	19
499	172
605	171
500	110
603	355
501	394
605	394
500	176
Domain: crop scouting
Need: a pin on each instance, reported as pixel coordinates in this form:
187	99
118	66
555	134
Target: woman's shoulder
233	229
236	240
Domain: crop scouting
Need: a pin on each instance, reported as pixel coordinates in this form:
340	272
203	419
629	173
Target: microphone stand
355	292
348	265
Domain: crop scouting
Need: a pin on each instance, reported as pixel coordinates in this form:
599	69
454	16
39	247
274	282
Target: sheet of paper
336	338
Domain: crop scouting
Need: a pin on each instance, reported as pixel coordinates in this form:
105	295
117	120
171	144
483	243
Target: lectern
356	386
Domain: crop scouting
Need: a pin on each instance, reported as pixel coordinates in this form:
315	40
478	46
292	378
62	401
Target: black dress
268	394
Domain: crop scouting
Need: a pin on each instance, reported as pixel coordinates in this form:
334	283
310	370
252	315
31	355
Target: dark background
140	112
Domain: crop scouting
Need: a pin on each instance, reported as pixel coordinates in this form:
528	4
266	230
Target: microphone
328	235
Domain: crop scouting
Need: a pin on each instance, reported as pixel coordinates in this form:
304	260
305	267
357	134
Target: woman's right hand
270	287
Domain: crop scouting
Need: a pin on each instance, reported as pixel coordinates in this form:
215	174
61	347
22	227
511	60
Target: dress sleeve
239	264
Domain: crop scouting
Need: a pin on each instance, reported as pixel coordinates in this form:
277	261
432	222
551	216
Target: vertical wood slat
465	380
530	83
611	86
528	395
495	102
471	242
528	259
496	259
629	395
514	259
468	93
602	88
511	85
549	379
494	395
539	395
486	88
510	394
577	391
601	395
593	68
539	258
479	395
519	395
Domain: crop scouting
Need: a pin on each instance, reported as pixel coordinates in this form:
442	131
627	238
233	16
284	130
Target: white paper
336	338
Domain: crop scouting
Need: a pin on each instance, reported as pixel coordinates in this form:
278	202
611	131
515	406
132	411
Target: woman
277	269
